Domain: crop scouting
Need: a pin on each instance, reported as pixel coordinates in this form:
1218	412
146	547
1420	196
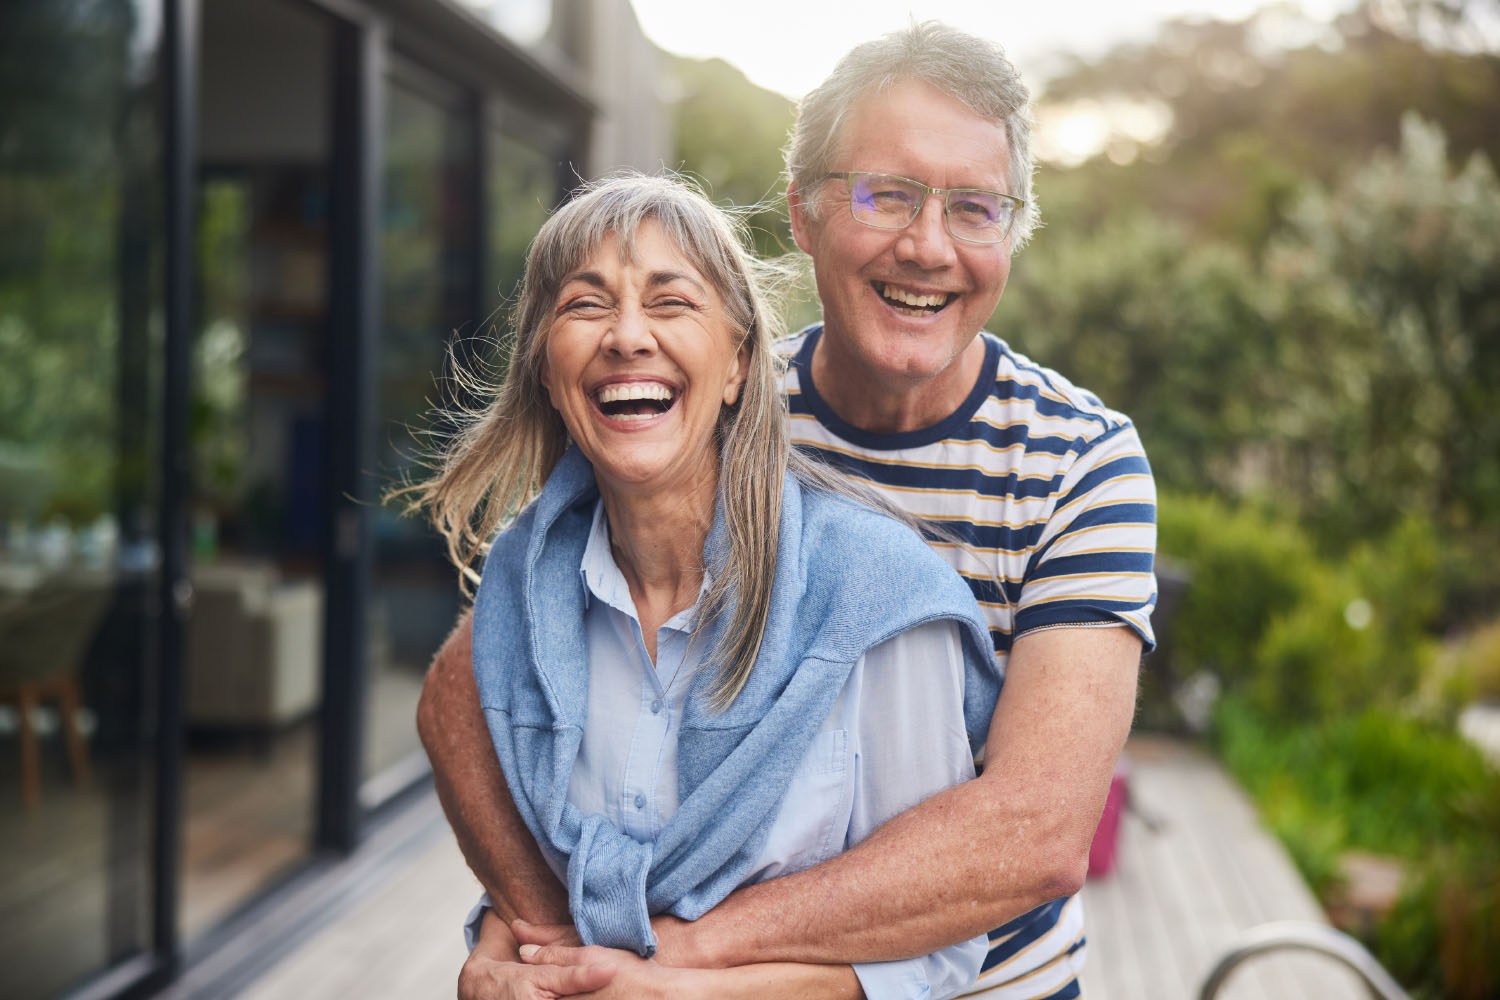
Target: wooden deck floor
1179	893
1196	868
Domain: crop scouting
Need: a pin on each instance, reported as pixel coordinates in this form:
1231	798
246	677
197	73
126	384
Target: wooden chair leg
31	776
78	754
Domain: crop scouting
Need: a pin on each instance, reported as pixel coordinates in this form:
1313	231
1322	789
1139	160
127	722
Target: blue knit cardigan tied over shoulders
847	579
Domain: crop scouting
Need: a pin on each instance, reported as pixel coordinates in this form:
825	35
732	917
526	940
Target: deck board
1186	883
1182	888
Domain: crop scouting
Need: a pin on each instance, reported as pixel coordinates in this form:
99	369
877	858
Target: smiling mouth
635	400
911	304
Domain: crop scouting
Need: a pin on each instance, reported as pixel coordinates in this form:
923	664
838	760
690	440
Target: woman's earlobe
736	383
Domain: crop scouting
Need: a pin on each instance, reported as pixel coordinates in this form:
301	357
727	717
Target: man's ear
801	217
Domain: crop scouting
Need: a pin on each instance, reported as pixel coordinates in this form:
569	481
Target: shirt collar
602	577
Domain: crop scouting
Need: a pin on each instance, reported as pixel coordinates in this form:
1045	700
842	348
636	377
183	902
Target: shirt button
656	706
640	801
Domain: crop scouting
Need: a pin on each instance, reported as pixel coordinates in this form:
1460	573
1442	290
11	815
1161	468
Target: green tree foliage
1353	370
729	134
1258	105
75	201
1415	246
1176	335
1295	295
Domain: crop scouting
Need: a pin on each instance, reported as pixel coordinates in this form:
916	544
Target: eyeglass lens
890	202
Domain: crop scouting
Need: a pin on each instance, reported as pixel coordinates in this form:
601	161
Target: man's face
871	280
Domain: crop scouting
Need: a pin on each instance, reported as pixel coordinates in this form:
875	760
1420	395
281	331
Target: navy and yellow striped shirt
1051	496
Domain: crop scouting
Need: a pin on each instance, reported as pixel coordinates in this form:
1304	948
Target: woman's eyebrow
593	278
667	277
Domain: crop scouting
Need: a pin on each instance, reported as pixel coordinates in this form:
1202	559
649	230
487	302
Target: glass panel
254	646
520	190
428	263
80	370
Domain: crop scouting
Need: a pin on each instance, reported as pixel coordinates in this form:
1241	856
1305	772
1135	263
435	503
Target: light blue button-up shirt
894	736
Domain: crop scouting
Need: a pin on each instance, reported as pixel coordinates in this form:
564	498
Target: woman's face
640	357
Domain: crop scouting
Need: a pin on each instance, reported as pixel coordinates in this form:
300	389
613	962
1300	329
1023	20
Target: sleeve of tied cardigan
607	888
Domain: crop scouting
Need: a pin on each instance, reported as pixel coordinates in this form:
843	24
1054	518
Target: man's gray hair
972	70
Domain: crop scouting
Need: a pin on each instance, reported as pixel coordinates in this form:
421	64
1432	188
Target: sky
790	45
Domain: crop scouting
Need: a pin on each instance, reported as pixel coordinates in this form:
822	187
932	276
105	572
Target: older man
910	186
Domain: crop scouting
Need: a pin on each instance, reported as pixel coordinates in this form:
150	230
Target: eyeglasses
886	201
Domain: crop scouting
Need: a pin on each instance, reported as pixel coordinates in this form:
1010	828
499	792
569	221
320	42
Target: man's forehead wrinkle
955	155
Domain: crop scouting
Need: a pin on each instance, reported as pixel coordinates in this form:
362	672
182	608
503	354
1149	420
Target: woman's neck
657	541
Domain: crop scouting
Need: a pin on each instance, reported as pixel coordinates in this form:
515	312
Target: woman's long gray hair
503	452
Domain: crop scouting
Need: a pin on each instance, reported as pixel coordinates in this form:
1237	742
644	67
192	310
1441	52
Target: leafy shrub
1472	665
1301	635
1384	782
1443	938
1312	662
1397	784
1245	570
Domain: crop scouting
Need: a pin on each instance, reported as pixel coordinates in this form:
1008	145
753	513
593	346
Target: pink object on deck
1107	837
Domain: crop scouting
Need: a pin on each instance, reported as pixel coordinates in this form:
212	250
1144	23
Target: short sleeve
1094	560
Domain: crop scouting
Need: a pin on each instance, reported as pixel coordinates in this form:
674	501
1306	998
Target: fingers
573	979
484	979
564	934
561	954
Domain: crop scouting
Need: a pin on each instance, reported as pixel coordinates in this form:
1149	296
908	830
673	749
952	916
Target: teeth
916	301
626	391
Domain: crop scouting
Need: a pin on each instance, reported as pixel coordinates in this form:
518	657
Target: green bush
1245	570
1300	634
1470	667
1384	782
1443	937
1397	784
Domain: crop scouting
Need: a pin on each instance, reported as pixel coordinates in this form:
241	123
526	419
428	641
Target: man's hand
637	978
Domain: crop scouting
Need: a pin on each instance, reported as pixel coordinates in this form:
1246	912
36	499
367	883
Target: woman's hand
485	978
635	978
546	934
494	971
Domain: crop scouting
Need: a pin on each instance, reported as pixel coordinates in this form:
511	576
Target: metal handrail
1296	934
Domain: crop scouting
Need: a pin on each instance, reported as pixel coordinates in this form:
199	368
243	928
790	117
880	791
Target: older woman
702	662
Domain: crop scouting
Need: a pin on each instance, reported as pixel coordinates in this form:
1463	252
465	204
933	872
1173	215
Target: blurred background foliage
1281	257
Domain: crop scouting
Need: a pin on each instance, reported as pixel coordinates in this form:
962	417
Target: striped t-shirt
1051	495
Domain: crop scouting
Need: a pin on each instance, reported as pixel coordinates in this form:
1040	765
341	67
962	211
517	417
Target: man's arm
635	977
491	834
967	859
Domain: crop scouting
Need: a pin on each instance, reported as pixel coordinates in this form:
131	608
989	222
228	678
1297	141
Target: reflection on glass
427	267
253	661
521	189
79	348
